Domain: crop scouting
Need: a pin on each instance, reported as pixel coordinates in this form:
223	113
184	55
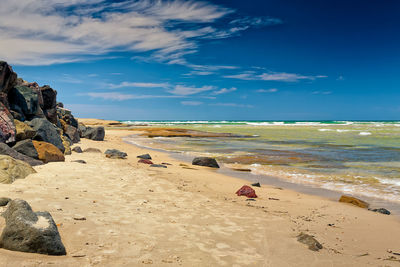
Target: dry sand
136	215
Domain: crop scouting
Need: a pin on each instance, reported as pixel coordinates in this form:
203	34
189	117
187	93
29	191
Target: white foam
364	133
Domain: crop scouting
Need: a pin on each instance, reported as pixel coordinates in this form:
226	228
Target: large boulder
27	148
205	161
8	79
48	152
72	133
7	127
29	231
47	132
24	131
96	133
81	129
65	114
49	97
23	99
12	169
6	150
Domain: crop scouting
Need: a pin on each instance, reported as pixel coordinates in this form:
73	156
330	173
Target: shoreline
304	188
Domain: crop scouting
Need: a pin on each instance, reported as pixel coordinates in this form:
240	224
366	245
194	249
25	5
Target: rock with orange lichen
354	201
48	152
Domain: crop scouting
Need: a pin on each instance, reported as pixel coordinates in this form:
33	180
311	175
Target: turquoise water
357	157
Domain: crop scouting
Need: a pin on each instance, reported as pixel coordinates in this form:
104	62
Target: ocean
354	157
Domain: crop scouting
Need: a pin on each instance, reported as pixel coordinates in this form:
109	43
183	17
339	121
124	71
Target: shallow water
352	157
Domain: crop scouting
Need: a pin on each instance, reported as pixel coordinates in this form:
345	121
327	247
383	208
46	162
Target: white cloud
271	90
191	103
190	90
121	96
224	91
273	76
138	84
322	92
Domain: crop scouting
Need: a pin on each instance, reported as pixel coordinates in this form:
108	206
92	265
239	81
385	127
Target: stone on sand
205	161
12	169
144	156
115	154
246	191
310	241
145	161
77	149
92	150
354	201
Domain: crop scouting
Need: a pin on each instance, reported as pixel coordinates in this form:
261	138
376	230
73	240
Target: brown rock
48	152
12	169
24	131
66	144
354	201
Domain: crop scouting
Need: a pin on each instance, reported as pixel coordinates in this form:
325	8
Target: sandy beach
113	212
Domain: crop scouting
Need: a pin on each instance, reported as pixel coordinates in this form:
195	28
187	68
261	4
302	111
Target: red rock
246	191
7	127
145	161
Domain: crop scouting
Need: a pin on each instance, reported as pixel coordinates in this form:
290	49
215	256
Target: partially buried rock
246	191
12	169
310	241
4	201
158	166
145	161
48	152
354	201
115	154
205	161
381	210
29	231
144	156
6	150
92	150
77	149
27	148
256	184
79	161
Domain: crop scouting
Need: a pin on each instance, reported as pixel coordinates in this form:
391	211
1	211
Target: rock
49	97
4	201
79	161
6	150
96	134
92	150
81	129
145	161
256	184
115	154
72	133
205	161
13	169
242	170
67	145
60	105
48	152
23	131
7	127
158	166
47	132
29	231
144	156
51	115
354	201
27	148
8	79
310	241
77	149
381	210
23	99
79	218
246	191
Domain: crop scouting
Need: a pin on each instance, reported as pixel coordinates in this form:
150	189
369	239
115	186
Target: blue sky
210	60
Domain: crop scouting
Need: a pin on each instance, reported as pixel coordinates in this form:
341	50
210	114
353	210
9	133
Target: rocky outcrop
8	79
12	169
27	148
354	201
6	150
115	154
205	161
23	131
29	231
7	127
48	152
47	132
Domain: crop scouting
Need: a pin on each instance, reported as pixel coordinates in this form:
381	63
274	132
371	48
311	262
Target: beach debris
7	127
27	148
256	184
79	161
272	198
310	241
205	161
246	191
354	201
392	252
24	131
79	218
47	132
381	210
48	152
158	166
242	170
144	156
92	150
77	149
145	161
29	231
4	201
6	150
115	154
13	169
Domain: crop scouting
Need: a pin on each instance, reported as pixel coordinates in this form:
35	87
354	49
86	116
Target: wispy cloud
138	84
271	90
224	91
190	90
232	105
191	103
273	76
121	96
321	92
